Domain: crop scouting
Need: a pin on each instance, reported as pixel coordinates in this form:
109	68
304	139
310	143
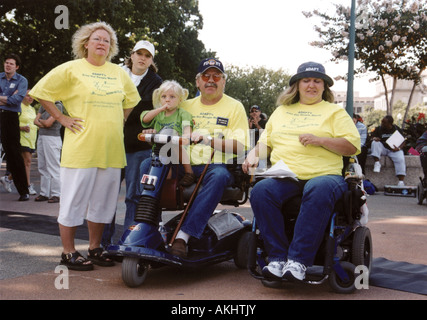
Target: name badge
222	121
12	85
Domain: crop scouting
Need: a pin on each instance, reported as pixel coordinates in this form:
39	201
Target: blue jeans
319	196
132	179
216	179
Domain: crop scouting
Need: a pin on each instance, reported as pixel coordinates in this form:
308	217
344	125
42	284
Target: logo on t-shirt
222	121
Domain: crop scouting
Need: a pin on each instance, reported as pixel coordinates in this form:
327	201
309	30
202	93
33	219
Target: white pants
398	157
49	155
90	193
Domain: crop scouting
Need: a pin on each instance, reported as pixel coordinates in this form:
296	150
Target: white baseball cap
143	44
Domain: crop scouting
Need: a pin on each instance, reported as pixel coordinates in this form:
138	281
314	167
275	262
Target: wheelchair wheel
340	286
361	253
420	193
134	271
242	252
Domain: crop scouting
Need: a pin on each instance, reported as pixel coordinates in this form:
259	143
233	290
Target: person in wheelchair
214	114
311	135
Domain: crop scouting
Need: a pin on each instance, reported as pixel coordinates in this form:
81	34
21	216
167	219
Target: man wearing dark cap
221	122
256	122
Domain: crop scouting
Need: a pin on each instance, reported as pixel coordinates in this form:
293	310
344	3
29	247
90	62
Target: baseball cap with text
210	63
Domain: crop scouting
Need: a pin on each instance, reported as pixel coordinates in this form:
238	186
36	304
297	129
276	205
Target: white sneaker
7	184
31	189
294	270
274	269
377	166
401	184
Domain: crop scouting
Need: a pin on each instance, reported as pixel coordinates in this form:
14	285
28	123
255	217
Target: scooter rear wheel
134	271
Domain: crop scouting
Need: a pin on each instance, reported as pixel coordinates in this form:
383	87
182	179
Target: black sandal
98	257
75	261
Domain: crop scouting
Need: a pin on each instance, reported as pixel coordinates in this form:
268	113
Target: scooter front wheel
134	271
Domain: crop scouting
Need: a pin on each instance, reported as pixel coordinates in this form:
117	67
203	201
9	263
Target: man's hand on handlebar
197	137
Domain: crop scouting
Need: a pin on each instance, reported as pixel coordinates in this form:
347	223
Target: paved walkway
28	259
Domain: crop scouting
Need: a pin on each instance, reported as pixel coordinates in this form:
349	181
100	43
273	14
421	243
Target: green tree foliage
27	27
391	39
258	86
372	118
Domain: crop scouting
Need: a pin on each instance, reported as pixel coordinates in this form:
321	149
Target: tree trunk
416	82
409	103
392	95
386	95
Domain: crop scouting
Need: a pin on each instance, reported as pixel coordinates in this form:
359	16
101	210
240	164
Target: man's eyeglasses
216	77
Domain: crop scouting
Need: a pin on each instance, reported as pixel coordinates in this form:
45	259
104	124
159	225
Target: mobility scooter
347	243
143	246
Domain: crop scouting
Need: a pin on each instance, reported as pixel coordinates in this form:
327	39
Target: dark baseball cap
311	70
210	63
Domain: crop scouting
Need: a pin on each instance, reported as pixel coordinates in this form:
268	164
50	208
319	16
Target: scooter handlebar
163	138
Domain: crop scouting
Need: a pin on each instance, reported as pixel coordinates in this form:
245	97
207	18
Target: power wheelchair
347	243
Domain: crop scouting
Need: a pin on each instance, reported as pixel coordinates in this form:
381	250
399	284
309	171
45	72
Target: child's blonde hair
181	92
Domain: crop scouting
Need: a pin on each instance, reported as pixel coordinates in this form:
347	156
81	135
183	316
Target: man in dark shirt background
379	148
13	88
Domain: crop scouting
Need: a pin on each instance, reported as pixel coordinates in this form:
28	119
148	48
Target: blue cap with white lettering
205	64
311	70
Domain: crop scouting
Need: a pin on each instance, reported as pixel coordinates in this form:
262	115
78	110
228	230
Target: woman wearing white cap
310	134
143	72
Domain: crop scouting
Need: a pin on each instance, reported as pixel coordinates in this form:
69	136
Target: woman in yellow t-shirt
310	134
28	135
98	96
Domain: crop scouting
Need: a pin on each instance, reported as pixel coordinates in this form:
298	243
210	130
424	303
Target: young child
166	113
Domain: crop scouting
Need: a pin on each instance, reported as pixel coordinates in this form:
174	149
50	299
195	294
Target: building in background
359	103
402	92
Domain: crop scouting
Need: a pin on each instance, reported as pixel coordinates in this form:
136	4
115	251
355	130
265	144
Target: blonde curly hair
169	85
82	35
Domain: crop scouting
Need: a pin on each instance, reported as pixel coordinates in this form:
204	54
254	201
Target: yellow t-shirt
97	95
226	117
323	119
26	118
